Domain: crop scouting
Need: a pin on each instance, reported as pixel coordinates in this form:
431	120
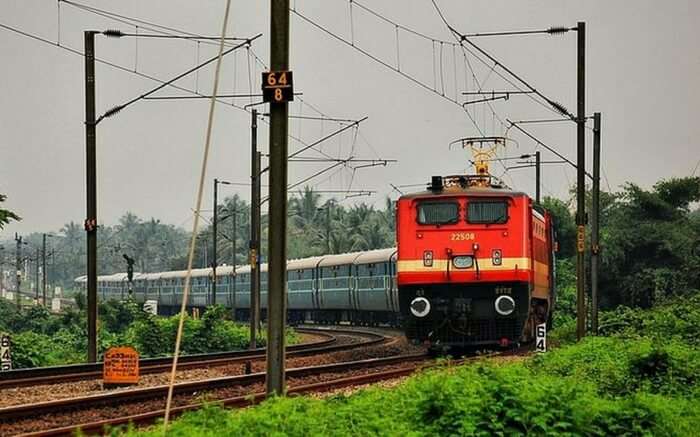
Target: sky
642	74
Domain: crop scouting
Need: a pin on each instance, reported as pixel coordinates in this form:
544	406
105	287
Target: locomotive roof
469	192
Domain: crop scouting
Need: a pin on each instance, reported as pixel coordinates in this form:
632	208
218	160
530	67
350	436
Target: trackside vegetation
632	382
40	338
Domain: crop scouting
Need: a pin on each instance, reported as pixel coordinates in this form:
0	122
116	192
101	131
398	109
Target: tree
564	225
648	238
305	207
6	215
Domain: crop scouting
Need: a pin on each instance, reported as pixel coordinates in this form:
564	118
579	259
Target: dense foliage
649	240
640	380
40	338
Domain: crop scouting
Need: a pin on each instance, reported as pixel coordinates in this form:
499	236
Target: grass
638	380
602	386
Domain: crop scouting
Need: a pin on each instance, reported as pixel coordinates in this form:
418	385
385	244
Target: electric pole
2	271
595	223
581	182
233	263
254	231
537	177
277	244
43	269
212	301
36	275
91	182
18	269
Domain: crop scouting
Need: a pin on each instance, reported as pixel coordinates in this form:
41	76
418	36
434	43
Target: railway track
144	406
121	406
77	372
94	414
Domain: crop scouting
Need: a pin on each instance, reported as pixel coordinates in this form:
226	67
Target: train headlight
505	305
420	307
463	262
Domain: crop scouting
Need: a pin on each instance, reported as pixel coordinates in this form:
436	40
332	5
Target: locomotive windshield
487	212
438	213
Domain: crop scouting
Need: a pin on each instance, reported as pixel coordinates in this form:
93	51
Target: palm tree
128	222
6	215
374	234
69	253
358	215
305	207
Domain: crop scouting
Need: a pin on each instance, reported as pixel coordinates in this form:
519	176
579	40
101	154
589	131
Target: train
475	263
473	266
357	288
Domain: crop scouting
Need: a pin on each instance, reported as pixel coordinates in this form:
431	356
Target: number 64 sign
277	86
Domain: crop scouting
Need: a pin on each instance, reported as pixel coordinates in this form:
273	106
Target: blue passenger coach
357	287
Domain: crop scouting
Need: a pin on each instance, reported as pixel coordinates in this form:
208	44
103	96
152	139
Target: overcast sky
643	75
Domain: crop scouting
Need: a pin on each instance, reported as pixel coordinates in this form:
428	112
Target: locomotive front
464	267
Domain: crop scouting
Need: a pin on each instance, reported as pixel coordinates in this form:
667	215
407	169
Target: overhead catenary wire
155	27
380	61
195	225
127	70
478	84
323	118
551	149
463	39
315	143
695	169
551	104
118	34
547	105
118	108
111	64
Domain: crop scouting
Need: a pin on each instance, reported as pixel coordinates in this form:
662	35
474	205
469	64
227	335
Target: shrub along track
144	406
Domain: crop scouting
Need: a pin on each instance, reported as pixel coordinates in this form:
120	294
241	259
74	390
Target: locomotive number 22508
462	236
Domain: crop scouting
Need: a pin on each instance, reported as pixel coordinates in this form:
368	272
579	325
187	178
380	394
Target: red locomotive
475	263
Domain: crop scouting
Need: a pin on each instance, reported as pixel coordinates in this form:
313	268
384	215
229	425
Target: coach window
487	212
438	213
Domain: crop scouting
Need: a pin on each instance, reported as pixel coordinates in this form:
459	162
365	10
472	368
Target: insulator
559	107
113	111
557	30
114	33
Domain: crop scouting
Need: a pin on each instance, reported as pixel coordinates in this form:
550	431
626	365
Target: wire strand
195	226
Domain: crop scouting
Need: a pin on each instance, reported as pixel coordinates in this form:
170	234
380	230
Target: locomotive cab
472	264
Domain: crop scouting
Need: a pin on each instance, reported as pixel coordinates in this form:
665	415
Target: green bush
33	349
639	381
676	319
42	339
621	367
479	400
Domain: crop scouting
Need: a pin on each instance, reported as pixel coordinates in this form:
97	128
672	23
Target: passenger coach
358	288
